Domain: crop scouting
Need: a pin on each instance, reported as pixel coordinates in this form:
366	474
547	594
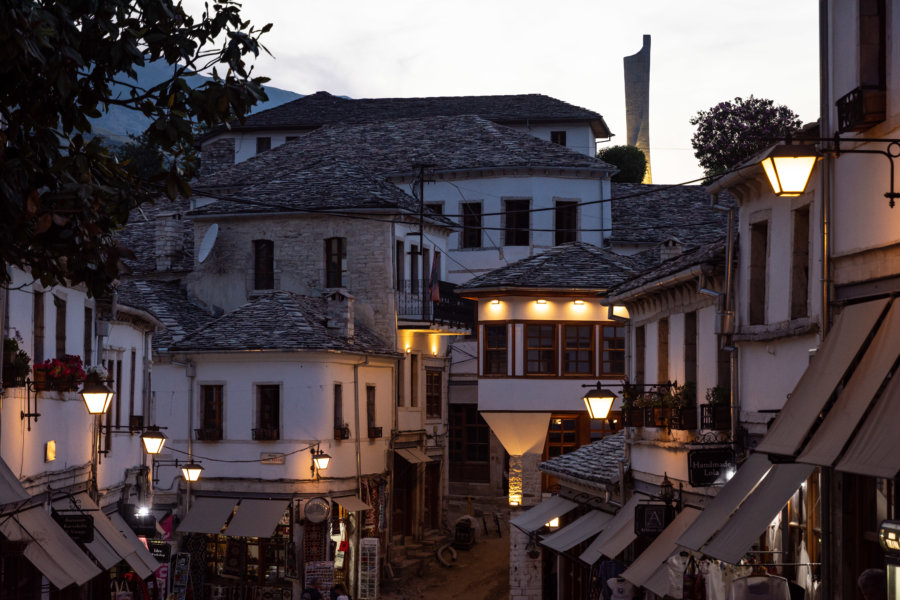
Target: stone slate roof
323	108
279	321
712	254
167	302
394	148
330	185
576	265
597	462
650	214
139	234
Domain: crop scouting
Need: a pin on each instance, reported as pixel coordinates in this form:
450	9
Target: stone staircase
412	558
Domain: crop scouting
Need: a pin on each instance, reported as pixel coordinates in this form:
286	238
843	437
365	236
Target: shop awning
352	503
757	511
720	508
641	571
413	456
582	528
537	516
141	561
842	344
616	536
875	450
207	515
49	548
855	400
11	490
256	518
109	546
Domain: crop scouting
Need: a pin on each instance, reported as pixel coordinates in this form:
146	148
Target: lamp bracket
30	389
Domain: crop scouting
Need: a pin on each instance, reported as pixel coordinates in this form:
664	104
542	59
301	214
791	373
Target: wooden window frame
268	401
215	422
554	372
487	351
591	359
516	222
604	361
434	393
472	223
565	222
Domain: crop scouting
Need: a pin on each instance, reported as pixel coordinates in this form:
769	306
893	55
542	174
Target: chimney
169	239
216	156
670	249
339	312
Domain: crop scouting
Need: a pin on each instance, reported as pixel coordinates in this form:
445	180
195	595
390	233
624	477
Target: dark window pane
471	222
335	262
518	222
263	264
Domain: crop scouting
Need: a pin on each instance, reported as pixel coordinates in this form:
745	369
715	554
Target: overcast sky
703	52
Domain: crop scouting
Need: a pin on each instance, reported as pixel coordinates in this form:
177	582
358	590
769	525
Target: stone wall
225	279
525	572
216	156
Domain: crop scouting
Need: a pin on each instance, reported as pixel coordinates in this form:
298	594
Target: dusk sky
703	52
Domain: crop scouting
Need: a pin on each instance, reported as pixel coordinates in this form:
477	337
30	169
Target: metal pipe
190	372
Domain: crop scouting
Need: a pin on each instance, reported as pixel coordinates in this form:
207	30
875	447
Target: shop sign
708	467
651	519
78	527
271	458
161	550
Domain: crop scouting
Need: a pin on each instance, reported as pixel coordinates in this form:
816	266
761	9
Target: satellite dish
209	239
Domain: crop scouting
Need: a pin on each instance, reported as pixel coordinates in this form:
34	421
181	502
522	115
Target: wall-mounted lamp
189	470
408	349
617	312
152	438
96	394
578	302
788	166
495	301
320	461
540	301
598	401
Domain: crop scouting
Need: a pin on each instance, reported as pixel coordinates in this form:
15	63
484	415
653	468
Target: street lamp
598	401
191	471
320	461
789	166
96	394
153	439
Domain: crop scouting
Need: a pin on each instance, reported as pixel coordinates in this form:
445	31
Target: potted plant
632	415
716	413
655	410
683	399
16	363
61	375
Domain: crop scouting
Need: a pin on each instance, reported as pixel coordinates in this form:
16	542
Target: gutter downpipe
190	371
356	529
728	308
826	178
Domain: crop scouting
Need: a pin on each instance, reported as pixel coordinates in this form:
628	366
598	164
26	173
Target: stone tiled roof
323	108
597	462
394	148
139	234
167	302
712	254
576	265
279	321
330	185
650	214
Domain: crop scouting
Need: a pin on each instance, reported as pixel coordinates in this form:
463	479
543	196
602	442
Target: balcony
861	109
208	435
265	434
414	304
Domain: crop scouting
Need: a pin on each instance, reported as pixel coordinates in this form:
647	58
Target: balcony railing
861	108
265	434
414	304
208	435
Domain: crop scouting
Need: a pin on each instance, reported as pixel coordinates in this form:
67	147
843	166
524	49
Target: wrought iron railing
414	303
861	108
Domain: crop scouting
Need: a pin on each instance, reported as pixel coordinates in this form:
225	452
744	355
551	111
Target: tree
630	160
731	132
62	193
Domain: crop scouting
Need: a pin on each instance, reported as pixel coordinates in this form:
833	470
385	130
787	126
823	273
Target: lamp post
97	397
598	401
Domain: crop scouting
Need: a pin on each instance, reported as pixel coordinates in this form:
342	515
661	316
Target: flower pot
633	417
41	381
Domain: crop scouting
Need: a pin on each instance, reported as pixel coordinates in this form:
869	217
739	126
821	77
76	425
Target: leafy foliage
630	160
731	132
62	193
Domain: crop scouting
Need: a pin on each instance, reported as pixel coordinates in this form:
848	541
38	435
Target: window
263	144
562	437
578	350
558	137
399	262
267	412
662	351
566	228
690	347
433	395
370	409
335	261
88	335
759	242
517	222
338	406
38	305
613	359
800	265
263	264
60	326
414	269
131	384
435	207
495	345
640	353
413	380
471	233
210	413
469	444
426	269
540	349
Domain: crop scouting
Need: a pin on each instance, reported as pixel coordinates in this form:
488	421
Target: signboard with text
651	519
77	526
709	466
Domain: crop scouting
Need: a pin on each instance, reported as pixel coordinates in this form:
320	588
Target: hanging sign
709	466
78	527
651	519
